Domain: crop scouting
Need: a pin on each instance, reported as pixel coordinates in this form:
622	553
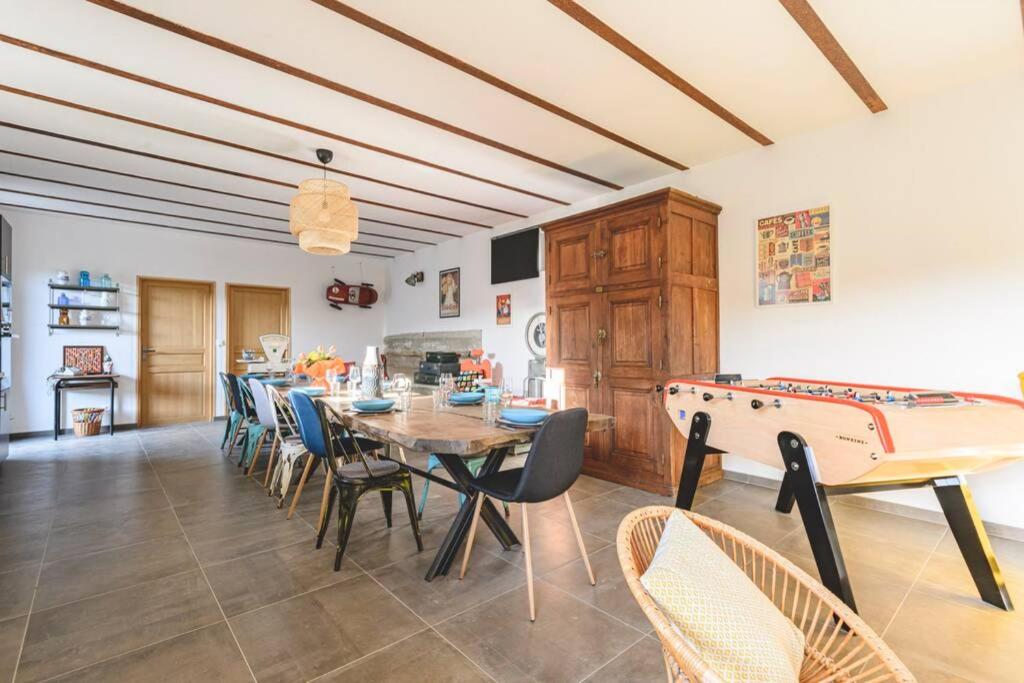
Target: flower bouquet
318	362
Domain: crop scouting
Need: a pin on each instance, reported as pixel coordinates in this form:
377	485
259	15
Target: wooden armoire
632	302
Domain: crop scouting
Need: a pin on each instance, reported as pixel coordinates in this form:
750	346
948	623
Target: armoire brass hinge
659	221
659	262
660	300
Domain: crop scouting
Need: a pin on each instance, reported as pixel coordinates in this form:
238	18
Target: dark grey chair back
555	459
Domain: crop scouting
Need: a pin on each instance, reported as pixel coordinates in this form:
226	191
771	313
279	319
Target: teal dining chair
254	428
234	417
433	462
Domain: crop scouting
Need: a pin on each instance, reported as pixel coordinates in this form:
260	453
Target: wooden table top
458	430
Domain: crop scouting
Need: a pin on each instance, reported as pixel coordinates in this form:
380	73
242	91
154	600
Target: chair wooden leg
472	534
668	667
257	448
579	537
529	562
270	462
302	484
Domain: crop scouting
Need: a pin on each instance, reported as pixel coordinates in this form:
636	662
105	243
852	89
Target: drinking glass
492	399
506	393
402	386
438	396
355	378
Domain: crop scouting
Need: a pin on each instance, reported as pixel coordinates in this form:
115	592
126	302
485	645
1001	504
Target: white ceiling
749	56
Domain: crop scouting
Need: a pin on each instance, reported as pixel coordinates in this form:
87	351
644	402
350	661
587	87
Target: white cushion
732	625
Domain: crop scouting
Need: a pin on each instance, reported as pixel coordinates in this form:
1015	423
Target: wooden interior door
254	311
176	352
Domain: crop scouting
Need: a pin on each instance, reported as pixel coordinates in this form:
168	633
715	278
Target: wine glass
355	377
506	393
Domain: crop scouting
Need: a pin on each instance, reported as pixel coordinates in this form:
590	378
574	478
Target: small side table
72	382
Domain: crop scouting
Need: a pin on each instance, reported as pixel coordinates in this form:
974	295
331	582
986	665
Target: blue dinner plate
524	416
279	382
467	397
310	391
374	405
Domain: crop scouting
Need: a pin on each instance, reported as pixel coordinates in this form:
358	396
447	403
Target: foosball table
834	438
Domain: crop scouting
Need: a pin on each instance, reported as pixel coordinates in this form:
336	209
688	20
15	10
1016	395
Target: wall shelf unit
104	302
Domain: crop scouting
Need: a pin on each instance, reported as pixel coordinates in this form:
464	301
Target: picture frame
503	309
794	262
88	359
449	293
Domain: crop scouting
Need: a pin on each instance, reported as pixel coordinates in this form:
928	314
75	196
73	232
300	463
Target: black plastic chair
552	466
350	470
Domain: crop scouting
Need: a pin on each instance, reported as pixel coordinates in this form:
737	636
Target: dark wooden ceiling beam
216	169
200	188
113	71
194	205
631	50
244	148
808	20
29	207
466	68
208	221
263	60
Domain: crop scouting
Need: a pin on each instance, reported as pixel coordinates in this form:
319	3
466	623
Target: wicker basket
87	421
839	646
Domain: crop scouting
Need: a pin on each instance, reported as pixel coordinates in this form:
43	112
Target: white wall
415	309
928	247
45	243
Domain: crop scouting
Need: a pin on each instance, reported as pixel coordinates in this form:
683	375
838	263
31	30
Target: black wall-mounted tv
515	256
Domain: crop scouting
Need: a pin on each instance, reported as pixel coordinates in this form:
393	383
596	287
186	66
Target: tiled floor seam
439	634
107	550
584	602
203	571
115	590
913	583
127	652
598	669
35	592
368	654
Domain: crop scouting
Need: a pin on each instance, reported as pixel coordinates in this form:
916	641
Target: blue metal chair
254	428
234	389
234	417
327	438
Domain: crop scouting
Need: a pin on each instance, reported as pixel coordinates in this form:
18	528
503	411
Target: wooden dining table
454	434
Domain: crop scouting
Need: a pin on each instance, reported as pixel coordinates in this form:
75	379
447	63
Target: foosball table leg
965	523
816	516
693	460
786	495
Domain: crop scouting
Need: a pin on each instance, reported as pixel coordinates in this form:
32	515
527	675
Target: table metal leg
965	523
56	411
456	467
693	460
112	387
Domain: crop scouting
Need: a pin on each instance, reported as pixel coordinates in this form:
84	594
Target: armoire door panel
680	307
636	441
572	333
705	331
635	333
632	247
572	258
705	250
581	393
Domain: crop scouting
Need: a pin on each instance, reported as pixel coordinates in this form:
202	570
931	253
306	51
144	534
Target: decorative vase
372	374
83	279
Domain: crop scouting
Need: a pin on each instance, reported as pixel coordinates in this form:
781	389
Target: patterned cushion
726	618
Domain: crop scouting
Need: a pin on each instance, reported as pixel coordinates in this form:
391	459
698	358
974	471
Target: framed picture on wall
794	258
503	309
449	284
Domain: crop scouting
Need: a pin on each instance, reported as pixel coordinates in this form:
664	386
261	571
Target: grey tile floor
148	556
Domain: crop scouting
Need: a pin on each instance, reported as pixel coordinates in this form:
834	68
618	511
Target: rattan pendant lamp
322	214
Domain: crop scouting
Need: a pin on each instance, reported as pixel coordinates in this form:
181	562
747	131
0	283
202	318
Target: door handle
149	350
597	378
602	334
600	253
